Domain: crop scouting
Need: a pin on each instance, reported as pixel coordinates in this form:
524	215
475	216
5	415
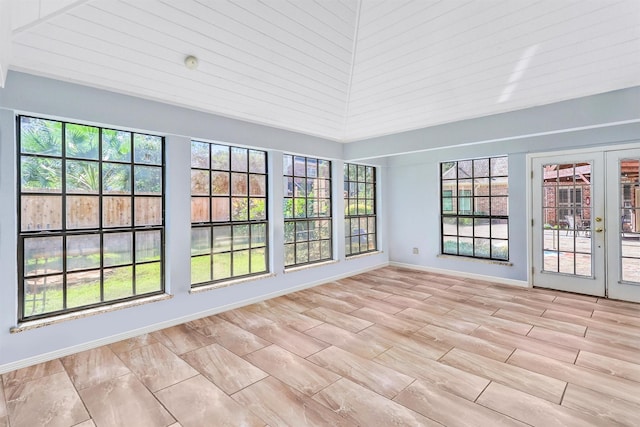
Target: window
569	202
475	208
228	212
307	210
91	215
360	208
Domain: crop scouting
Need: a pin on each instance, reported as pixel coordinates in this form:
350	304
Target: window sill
205	288
308	266
35	324
366	254
480	260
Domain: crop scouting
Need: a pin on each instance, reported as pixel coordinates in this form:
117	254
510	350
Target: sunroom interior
465	156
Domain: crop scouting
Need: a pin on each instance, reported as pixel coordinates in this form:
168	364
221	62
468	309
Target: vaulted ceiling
341	69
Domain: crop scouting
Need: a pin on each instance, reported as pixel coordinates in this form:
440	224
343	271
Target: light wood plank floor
386	348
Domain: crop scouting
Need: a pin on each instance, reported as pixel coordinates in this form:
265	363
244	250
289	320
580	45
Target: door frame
530	157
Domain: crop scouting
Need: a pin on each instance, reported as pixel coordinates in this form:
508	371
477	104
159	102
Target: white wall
413	178
39	96
408	191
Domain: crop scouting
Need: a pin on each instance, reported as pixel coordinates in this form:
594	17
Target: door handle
598	229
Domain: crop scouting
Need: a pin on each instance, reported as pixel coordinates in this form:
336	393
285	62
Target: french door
586	223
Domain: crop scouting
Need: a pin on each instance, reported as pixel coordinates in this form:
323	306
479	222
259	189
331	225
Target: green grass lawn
84	288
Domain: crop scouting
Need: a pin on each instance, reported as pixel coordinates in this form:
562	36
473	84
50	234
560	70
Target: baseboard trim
46	357
501	280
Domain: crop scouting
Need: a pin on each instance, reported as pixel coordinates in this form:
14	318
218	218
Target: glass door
623	225
568	204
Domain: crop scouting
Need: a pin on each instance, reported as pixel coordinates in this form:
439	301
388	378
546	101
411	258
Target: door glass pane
566	212
629	214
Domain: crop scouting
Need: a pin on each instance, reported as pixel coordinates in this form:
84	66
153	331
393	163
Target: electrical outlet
416	251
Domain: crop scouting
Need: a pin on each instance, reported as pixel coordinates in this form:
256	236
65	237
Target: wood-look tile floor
389	347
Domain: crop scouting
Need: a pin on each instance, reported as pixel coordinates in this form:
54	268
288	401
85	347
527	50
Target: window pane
288	187
118	249
220	209
83	252
499	186
199	209
239	209
499	166
116	145
82	177
312	167
40	136
302	253
287	165
148	278
257	209
324	169
257	185
199	155
222	239
148	180
83	288
259	235
116	178
116	211
221	266
220	157
148	210
118	283
42	255
450	245
314	251
240	237
41	213
200	241
482	248
241	263
289	255
239	184
500	249
148	246
257	161
82	141
299	166
41	175
481	167
83	212
147	149
258	260
201	269
42	295
199	183
220	183
239	159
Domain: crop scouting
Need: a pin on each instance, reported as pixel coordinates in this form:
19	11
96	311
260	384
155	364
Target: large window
359	208
307	210
475	208
228	212
91	215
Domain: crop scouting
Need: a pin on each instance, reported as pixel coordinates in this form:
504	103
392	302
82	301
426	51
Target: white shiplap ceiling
341	69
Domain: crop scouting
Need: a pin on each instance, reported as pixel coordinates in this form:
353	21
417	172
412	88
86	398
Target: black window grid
458	206
211	224
308	235
360	209
65	233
